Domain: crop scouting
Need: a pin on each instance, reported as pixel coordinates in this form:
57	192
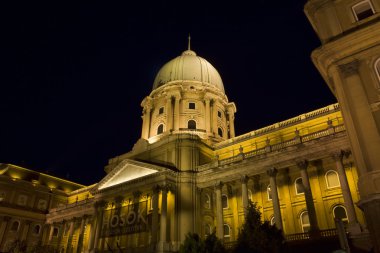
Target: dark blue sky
73	75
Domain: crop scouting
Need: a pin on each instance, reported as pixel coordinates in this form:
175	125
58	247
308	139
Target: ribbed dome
188	67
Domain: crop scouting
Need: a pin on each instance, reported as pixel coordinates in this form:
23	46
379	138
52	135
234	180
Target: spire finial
188	46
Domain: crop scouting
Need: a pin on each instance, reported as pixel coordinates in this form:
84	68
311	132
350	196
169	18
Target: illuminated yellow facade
190	173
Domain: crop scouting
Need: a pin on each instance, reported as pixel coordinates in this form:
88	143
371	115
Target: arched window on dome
191	124
305	223
332	179
55	232
377	70
220	132
299	186
362	10
15	226
160	129
37	229
340	212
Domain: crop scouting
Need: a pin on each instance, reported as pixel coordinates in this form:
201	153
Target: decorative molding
349	69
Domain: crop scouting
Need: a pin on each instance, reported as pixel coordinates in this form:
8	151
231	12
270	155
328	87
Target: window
224	201
219	114
299	186
55	232
15	226
332	179
269	193
226	230
272	221
363	10
207	230
207	201
250	195
2	196
191	105
42	204
305	223
22	199
37	229
191	124
220	132
340	213
160	129
377	70
161	110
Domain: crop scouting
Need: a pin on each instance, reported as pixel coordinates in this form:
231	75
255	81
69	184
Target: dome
188	67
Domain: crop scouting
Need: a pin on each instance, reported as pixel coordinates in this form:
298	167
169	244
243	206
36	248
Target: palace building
189	172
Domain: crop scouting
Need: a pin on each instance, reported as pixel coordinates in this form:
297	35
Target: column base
163	247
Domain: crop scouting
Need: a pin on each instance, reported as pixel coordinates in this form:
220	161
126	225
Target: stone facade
194	175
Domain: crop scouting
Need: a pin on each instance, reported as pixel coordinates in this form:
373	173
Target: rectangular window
191	105
219	114
161	110
363	10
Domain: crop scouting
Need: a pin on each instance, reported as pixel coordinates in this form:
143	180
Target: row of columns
172	119
68	243
353	227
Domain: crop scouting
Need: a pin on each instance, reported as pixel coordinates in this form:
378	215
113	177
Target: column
244	193
169	114
99	225
163	220
214	118
91	238
219	210
81	234
69	245
146	122
5	223
25	230
302	165
272	172
176	113
207	116
354	226
50	234
231	119
156	190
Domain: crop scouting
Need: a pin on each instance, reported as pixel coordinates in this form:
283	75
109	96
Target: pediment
126	171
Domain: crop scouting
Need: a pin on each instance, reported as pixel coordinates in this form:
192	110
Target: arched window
220	132
363	10
207	230
340	212
224	201
377	70
160	129
191	124
37	229
250	195
269	193
15	226
226	230
305	223
272	221
55	232
299	186
332	179
207	201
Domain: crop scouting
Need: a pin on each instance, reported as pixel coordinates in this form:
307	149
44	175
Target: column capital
244	179
218	185
156	189
338	155
302	164
100	204
137	194
272	172
119	200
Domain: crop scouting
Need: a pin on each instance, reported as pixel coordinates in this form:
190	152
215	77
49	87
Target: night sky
73	75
